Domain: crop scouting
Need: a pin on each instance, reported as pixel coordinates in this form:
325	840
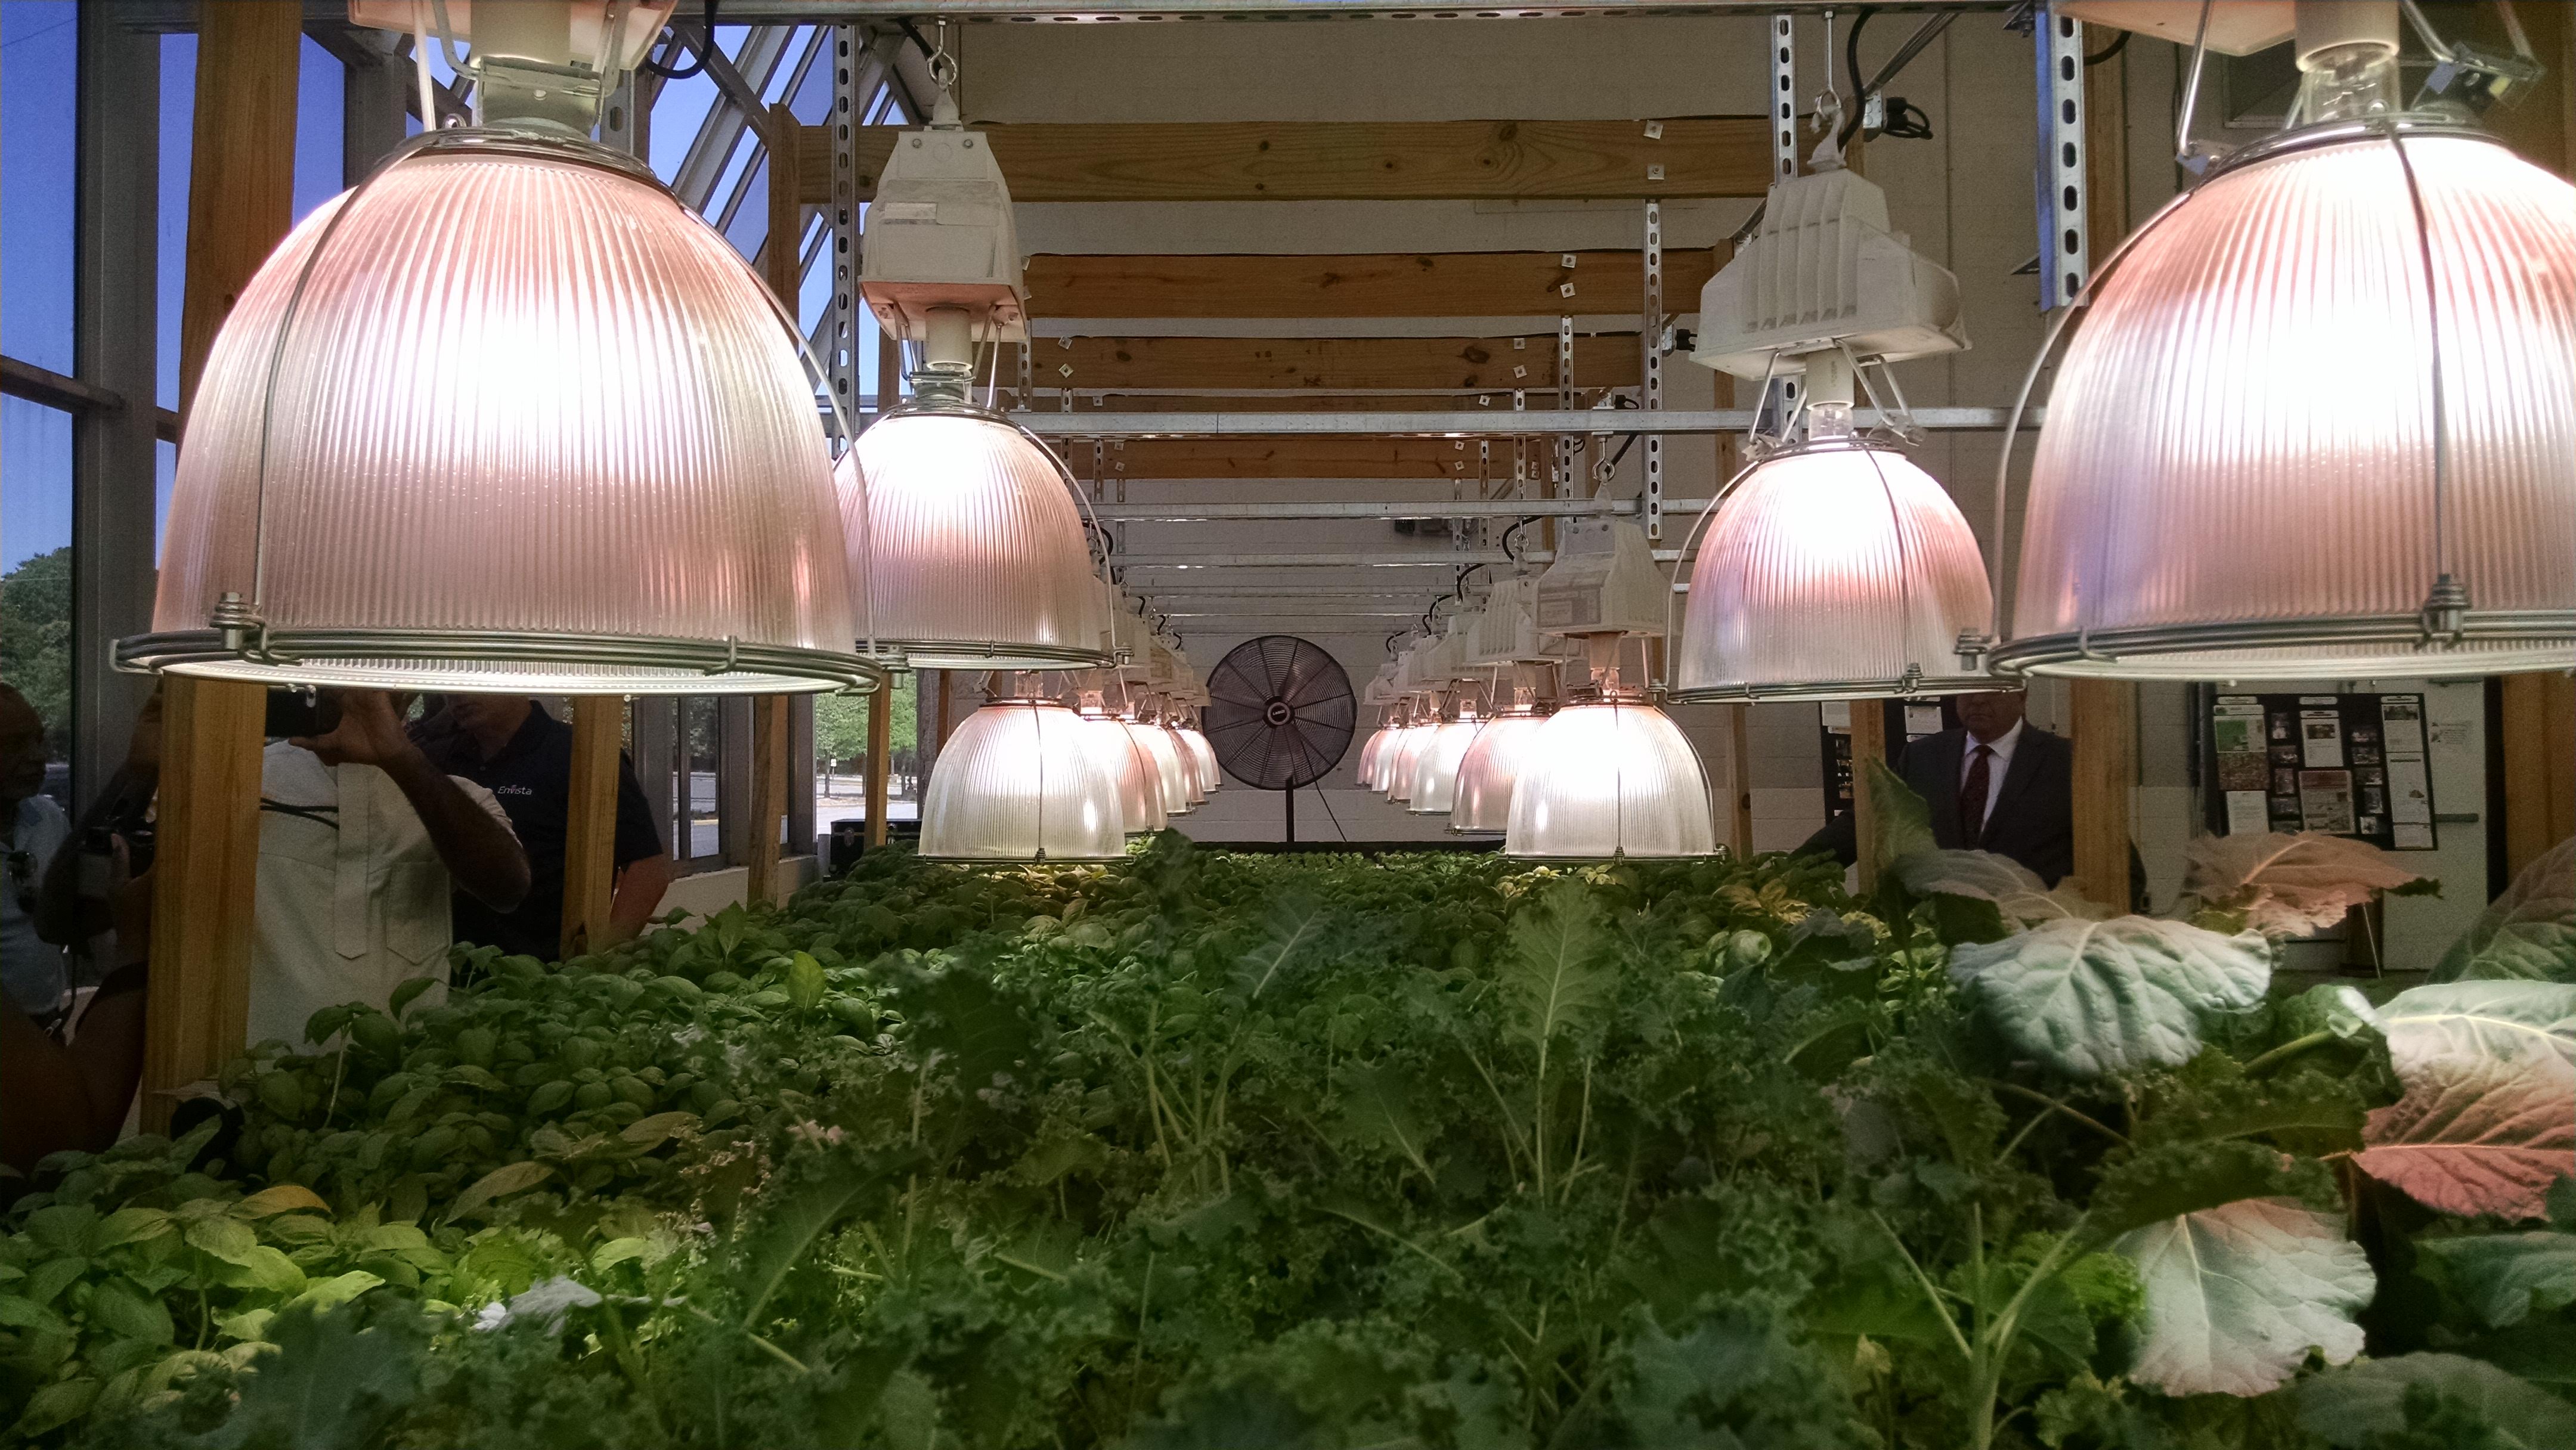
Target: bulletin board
1907	722
2340	765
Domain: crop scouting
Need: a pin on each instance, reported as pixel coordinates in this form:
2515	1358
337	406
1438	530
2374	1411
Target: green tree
841	722
36	640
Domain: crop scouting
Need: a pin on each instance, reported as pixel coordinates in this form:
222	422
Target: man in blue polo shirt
510	746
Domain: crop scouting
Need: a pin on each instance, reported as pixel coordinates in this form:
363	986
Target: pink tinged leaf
2236	1296
2482	1135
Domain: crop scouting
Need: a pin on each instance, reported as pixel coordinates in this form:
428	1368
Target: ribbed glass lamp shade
1836	572
1157	743
1435	768
1369	753
1482	799
2236	479
509	418
1019	782
974	545
1610	778
1192	784
1194	745
1140	782
1407	752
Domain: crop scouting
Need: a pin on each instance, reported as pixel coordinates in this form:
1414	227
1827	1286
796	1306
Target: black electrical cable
1851	55
909	33
1905	122
673	36
2108	51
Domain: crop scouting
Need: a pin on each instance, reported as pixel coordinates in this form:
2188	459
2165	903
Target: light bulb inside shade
1482	800
1610	778
533	427
1191	785
1435	768
2236	478
1019	782
1835	572
974	546
1140	782
1157	743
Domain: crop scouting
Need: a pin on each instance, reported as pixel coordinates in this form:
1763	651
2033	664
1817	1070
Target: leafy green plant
1204	1149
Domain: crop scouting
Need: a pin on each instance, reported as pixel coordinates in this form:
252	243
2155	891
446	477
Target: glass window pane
321	85
178	121
702	732
39	123
749	225
320	118
36	572
165	469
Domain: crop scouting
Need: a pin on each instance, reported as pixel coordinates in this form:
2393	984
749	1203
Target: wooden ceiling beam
1419	284
1706	156
1286	457
1370	364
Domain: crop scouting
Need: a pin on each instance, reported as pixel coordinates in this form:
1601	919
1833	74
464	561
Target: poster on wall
2341	765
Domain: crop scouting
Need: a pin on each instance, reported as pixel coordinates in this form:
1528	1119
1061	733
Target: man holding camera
360	842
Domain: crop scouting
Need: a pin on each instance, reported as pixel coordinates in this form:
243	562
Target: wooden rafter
1709	156
1420	284
1354	364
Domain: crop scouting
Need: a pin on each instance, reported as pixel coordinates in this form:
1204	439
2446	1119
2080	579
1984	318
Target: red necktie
1972	797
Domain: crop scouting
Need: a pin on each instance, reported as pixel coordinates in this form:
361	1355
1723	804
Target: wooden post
2104	734
881	704
590	821
205	880
1868	743
782	263
880	749
204	886
2104	728
1739	785
2539	729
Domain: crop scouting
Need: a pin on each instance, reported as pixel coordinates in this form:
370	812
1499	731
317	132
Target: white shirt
352	895
31	967
1996	768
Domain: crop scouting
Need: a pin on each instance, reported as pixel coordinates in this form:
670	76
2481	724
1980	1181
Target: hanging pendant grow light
1435	768
506	417
1157	744
1019	781
1833	570
1608	775
1481	802
2320	417
1140	781
969	524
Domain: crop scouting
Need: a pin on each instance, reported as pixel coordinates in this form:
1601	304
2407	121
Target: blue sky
39	98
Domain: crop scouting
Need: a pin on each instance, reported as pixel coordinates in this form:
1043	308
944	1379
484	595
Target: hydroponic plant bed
1220	1150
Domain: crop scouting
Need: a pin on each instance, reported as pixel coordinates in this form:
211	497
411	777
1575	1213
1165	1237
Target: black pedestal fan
1279	713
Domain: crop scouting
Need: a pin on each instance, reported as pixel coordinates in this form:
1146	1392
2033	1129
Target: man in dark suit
1997	784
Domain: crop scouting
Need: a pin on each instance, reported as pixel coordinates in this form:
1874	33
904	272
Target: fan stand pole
1291	806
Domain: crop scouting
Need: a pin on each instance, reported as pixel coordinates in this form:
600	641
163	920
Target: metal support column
375	84
2064	239
1650	332
1784	97
114	463
1566	447
841	331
